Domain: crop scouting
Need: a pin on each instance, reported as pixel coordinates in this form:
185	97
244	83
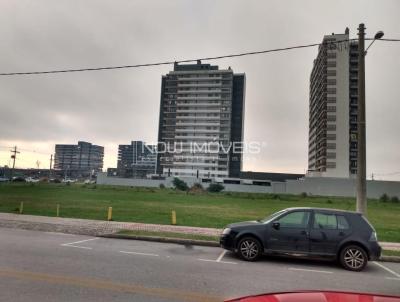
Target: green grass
155	205
390	253
169	235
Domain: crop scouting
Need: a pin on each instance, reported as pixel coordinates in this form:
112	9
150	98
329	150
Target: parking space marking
387	269
221	256
78	247
137	253
309	270
73	244
215	261
60	234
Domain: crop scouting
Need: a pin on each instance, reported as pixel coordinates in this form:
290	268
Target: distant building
332	143
201	122
136	160
81	160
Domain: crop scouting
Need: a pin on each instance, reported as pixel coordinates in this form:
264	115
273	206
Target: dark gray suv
309	232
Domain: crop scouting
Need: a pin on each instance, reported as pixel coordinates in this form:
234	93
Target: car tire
353	258
249	249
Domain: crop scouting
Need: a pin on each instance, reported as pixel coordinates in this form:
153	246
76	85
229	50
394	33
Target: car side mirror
276	225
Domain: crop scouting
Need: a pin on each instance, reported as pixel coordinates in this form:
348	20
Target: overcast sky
114	107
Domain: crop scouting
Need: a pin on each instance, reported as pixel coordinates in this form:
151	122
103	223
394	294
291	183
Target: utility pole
14	157
361	146
51	162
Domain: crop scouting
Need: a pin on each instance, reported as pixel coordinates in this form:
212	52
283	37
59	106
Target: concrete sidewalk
100	228
93	227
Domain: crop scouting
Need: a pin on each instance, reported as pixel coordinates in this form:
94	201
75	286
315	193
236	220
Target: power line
187	60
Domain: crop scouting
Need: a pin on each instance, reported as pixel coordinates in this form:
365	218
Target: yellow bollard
109	217
21	207
58	210
173	218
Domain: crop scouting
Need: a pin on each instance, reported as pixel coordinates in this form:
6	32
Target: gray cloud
112	107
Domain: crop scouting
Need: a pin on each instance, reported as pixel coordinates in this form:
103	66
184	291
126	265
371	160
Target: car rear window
325	221
342	222
330	222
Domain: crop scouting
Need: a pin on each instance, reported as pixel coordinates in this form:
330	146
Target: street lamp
377	36
361	147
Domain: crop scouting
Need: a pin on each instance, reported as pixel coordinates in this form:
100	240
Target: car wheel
249	249
353	258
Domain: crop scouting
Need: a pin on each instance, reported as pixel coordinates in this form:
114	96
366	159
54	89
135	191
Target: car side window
342	223
297	219
325	221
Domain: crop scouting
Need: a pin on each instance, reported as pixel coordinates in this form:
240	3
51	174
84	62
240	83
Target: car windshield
272	216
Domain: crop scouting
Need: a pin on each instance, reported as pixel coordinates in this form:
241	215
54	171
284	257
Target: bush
384	198
303	195
215	188
180	184
196	188
394	199
162	186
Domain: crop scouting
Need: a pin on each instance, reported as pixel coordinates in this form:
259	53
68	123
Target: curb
163	239
390	259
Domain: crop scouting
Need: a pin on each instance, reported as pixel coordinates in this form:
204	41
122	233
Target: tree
215	188
180	184
384	198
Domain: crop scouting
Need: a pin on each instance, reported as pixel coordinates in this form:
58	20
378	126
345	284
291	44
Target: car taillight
373	237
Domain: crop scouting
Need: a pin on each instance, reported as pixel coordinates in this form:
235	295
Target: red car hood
318	296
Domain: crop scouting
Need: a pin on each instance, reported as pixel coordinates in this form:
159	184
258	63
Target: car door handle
304	233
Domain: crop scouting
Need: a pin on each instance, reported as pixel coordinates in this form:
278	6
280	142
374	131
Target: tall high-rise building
79	160
201	121
332	145
136	160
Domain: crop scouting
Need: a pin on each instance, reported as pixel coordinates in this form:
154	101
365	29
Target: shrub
162	186
384	198
180	184
303	195
215	188
394	199
196	188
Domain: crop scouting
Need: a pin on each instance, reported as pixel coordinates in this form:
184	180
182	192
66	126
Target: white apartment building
201	121
333	108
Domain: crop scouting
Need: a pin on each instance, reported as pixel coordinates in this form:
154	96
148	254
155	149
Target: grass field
155	205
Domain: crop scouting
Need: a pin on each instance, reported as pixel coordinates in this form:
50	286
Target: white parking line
73	244
78	247
60	234
76	242
137	253
388	269
221	256
215	261
309	270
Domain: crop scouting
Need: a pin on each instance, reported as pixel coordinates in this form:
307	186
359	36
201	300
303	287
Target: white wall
322	186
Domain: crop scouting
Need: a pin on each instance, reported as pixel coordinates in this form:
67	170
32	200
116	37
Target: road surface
40	266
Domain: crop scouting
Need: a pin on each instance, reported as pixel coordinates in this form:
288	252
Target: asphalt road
40	266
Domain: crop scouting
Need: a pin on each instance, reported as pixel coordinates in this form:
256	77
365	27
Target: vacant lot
155	205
